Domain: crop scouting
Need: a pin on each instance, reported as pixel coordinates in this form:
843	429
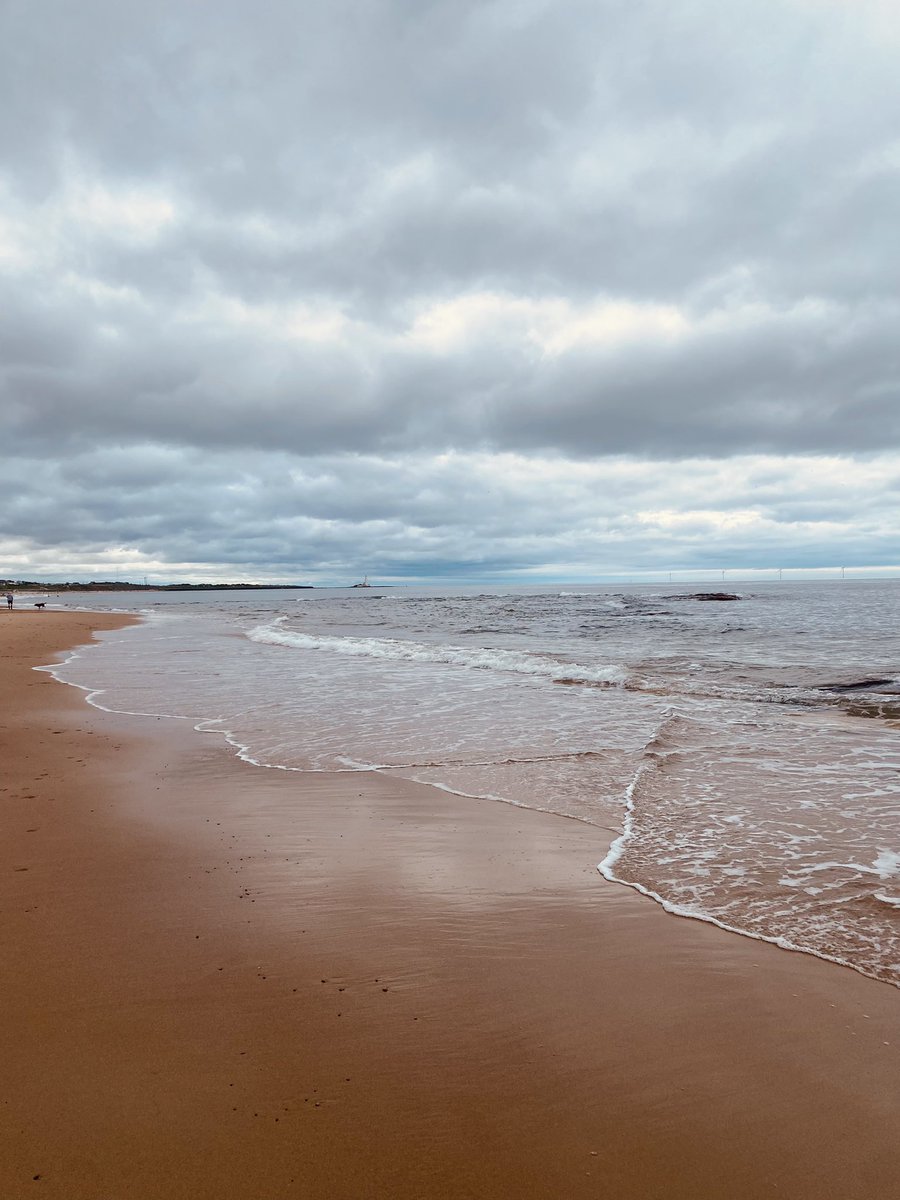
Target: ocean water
744	755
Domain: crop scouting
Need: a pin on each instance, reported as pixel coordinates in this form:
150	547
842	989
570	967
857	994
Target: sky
524	290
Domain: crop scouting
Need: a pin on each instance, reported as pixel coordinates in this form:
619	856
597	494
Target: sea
741	753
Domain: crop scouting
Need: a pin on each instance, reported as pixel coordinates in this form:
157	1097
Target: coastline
227	981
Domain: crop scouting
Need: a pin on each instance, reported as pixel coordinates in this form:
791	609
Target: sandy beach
222	981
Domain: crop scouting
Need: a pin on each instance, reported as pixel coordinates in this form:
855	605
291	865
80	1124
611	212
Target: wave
662	748
474	658
658	747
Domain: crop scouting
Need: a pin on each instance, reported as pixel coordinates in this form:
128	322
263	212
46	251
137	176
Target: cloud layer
448	288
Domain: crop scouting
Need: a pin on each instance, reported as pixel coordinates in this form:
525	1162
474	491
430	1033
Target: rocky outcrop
705	596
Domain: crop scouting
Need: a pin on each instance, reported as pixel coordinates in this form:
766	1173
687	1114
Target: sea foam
473	658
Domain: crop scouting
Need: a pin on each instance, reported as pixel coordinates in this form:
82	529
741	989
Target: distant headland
109	585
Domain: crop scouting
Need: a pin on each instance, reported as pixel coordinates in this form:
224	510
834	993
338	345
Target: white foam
680	896
617	849
832	865
887	864
475	658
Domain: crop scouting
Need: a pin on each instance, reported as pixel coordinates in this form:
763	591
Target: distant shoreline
25	585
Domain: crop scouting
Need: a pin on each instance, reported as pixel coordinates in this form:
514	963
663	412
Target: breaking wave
472	658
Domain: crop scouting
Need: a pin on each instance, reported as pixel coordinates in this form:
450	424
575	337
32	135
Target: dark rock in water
862	685
704	596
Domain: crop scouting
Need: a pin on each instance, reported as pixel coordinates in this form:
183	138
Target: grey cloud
798	382
326	518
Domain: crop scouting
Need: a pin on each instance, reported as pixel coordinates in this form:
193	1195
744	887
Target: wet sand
244	984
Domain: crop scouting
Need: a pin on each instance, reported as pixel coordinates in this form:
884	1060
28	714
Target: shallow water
744	753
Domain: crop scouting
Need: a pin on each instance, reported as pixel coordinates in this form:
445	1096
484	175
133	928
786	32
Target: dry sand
226	982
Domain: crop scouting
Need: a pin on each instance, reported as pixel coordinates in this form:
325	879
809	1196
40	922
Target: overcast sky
524	289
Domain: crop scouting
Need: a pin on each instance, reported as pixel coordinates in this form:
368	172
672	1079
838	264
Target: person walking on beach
9	599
